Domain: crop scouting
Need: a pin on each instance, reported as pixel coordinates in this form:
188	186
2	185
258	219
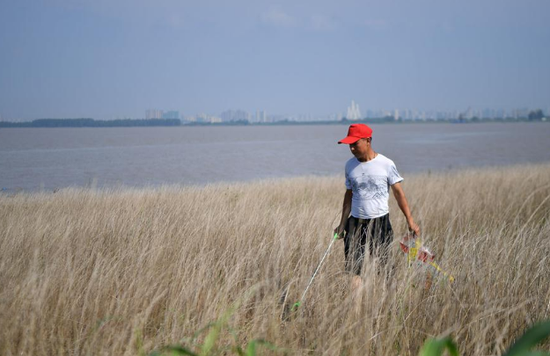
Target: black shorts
379	234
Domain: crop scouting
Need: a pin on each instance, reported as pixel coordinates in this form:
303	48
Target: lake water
33	158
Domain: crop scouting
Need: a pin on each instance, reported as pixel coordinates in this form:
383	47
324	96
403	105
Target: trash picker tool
298	303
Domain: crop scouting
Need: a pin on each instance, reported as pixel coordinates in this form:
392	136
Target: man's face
360	147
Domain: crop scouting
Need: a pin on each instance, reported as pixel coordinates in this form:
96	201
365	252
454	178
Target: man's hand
413	227
339	231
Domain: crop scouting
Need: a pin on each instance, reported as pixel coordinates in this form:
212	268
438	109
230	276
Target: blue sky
116	58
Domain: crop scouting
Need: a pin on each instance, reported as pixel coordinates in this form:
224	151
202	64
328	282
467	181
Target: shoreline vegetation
91	123
129	271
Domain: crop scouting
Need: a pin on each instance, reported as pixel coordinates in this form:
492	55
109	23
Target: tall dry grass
121	272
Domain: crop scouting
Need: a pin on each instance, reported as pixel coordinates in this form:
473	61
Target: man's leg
380	238
356	282
354	248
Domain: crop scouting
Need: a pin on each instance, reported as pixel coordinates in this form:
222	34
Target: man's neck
368	157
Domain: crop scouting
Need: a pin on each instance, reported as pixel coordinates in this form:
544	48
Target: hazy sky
115	58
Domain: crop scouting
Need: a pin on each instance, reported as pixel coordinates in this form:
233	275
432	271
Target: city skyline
112	59
352	113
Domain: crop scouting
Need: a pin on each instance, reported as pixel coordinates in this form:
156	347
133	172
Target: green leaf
436	347
201	330
530	339
214	333
211	339
237	349
251	349
173	350
535	353
252	346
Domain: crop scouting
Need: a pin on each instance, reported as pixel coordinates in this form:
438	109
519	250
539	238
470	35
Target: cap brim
349	139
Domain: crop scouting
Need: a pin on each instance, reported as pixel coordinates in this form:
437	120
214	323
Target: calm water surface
32	158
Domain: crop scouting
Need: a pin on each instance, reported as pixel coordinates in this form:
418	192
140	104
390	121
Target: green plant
522	347
209	346
531	338
436	347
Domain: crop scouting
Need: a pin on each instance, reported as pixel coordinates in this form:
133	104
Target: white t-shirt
370	183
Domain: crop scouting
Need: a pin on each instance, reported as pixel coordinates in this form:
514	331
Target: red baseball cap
356	132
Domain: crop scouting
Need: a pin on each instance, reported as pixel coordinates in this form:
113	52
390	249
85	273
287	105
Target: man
365	212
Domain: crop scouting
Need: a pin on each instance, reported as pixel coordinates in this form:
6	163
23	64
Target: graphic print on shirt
370	186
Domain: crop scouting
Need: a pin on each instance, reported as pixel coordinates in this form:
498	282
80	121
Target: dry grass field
126	271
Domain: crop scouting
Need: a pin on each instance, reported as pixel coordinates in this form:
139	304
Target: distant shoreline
92	123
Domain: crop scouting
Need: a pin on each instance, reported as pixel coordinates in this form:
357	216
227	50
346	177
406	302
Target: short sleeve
393	175
348	183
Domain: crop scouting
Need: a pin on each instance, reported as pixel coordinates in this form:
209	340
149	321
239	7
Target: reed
128	271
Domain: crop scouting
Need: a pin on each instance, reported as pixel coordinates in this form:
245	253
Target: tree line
86	122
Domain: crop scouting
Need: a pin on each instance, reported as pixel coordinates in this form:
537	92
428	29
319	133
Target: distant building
353	112
276	118
235	115
153	114
171	115
521	113
261	116
335	117
204	118
305	117
488	114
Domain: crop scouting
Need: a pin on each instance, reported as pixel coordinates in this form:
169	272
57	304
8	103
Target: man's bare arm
404	206
346	209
